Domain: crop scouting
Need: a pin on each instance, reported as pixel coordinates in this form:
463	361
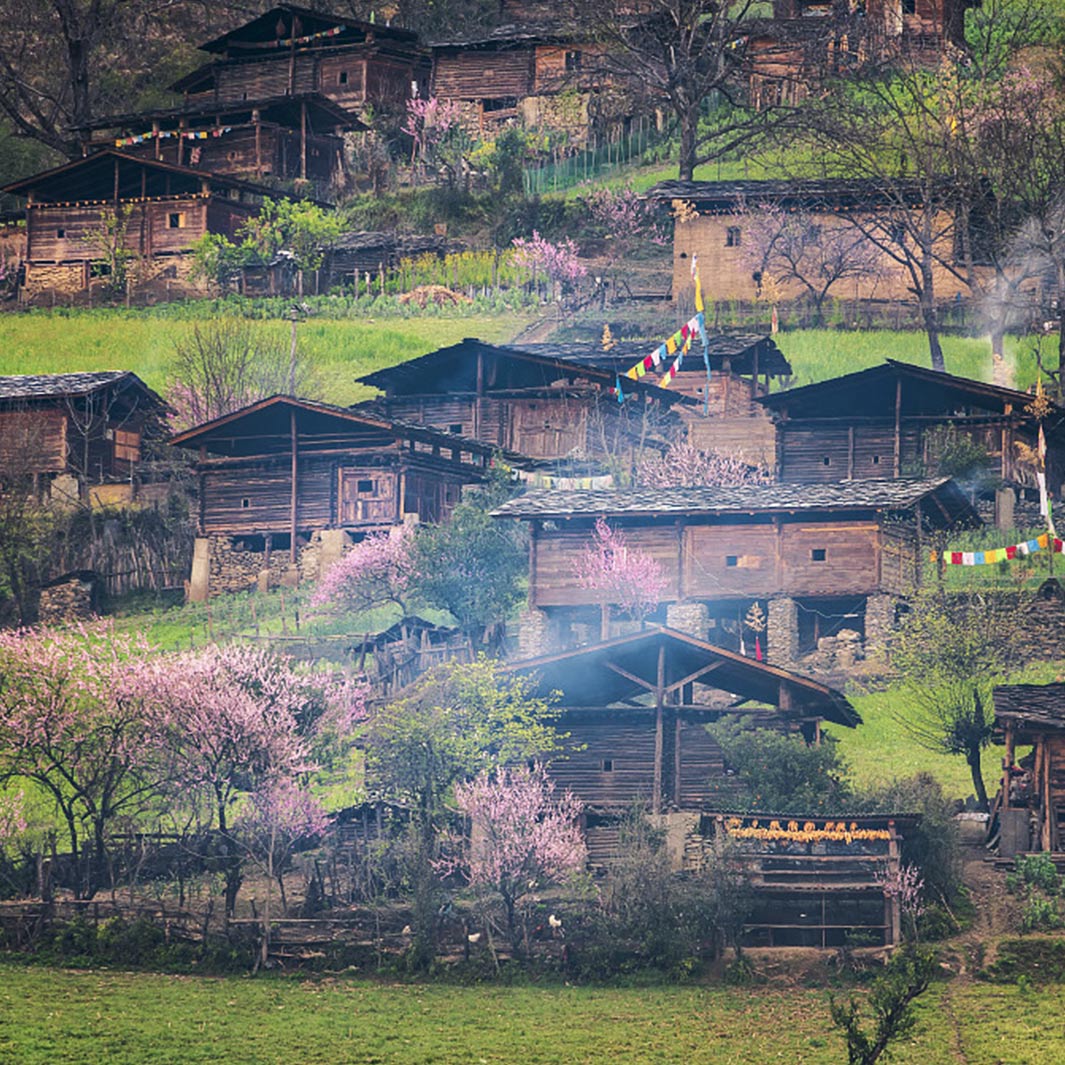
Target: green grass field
52	1017
43	342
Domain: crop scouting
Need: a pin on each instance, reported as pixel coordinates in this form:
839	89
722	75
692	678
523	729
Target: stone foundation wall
534	634
782	632
690	618
879	623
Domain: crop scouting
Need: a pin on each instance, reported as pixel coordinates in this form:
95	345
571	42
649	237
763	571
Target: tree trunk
972	756
689	124
930	317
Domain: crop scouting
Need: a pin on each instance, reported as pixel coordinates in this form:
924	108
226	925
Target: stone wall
71	600
691	618
782	632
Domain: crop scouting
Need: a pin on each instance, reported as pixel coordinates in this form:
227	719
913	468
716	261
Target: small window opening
817	554
909	7
455	429
876	460
732	560
365	486
245	503
826	461
342	77
608	765
733	237
60	233
573	62
176	220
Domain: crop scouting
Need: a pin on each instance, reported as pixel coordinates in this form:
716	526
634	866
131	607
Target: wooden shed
635	710
725	418
1030	804
876	423
534	404
816	555
164	210
286	138
73	430
292	51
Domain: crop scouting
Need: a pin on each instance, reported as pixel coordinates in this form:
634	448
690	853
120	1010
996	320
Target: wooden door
367	496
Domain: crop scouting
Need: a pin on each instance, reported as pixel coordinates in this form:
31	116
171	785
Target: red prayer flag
758	648
1011	552
648	362
955	558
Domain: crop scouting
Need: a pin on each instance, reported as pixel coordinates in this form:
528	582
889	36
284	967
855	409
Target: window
826	461
60	233
573	62
909	7
245	503
365	487
607	765
876	460
342	78
503	103
455	429
176	220
817	554
127	445
732	560
732	237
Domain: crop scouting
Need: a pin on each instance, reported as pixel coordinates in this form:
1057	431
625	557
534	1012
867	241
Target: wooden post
480	393
303	140
180	144
894	919
158	140
656	798
919	572
295	464
1049	813
256	117
676	759
898	426
1007	766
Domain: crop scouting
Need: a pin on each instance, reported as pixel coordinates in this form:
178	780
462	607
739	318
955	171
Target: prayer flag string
1000	554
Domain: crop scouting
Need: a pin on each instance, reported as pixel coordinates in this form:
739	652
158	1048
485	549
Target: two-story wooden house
533	403
887	421
154	211
295	51
75	435
280	140
725	416
820	556
286	483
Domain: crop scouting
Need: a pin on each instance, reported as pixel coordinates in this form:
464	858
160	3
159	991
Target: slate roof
739	349
62	385
744	499
1039	706
824	193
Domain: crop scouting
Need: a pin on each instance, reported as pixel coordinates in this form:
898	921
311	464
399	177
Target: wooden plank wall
483	74
268	492
626	738
33	441
751	437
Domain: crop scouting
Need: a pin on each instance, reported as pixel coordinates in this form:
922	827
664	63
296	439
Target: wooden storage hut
70	431
882	422
726	417
537	405
283	139
163	210
1030	806
293	51
718	233
634	709
821	557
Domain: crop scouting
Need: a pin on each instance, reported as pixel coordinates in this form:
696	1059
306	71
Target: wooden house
70	431
161	210
822	557
719	234
277	475
634	709
1030	807
281	140
294	51
726	416
537	405
882	422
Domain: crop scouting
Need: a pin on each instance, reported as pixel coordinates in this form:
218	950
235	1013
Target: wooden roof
871	392
263	30
1030	708
19	389
93	178
453	370
265	428
824	194
742	351
626	668
951	505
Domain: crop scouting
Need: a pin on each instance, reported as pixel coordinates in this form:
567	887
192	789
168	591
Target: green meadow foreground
62	1018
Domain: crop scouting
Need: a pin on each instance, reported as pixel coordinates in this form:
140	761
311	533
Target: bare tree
224	364
808	250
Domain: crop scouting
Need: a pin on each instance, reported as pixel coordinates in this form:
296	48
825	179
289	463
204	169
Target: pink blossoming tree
623	577
557	263
431	123
685	466
523	836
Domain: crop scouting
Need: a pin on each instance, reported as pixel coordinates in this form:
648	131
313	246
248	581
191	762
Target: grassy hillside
44	342
64	1018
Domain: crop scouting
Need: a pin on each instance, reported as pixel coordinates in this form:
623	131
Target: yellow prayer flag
631	374
1044	540
671	346
698	294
